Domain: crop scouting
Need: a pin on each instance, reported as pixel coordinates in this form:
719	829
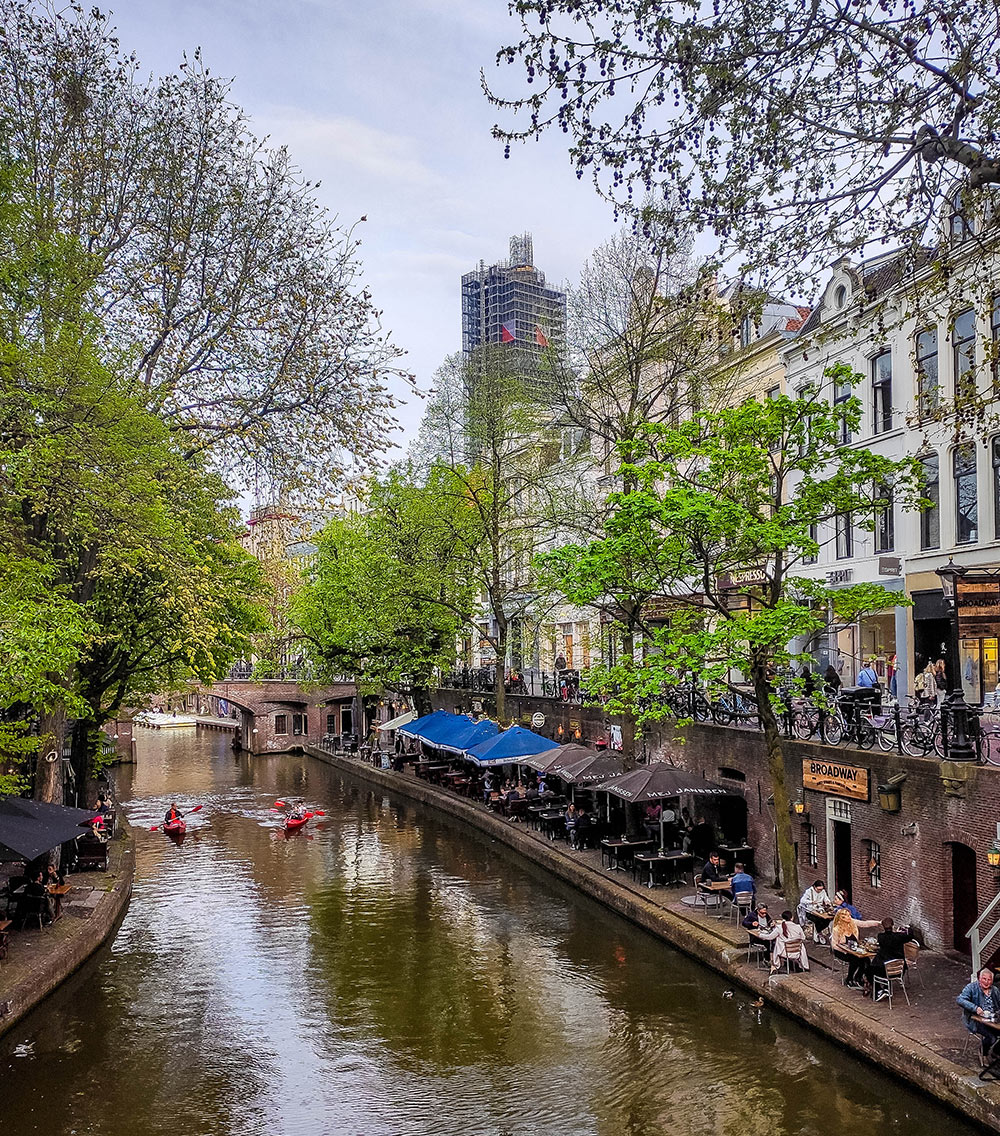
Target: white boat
168	721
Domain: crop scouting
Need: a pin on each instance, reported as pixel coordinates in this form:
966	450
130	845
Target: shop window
966	496
928	391
874	865
882	393
930	517
884	527
995	461
963	352
812	845
844	529
281	723
841	396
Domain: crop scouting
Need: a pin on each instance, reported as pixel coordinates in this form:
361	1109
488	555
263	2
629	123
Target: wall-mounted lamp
993	855
890	796
560	731
799	806
577	735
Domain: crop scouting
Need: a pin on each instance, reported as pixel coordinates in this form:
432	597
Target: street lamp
958	747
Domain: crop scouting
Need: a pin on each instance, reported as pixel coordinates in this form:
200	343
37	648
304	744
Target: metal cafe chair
911	952
741	906
759	953
893	973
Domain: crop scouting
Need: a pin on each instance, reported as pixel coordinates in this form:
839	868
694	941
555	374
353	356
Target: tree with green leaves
725	511
793	132
386	598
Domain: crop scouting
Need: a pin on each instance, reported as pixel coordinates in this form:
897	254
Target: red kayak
296	822
175	827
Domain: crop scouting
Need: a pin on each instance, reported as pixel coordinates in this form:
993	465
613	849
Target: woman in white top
814	896
789	942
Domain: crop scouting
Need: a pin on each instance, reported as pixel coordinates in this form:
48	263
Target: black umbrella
586	770
658	781
561	755
28	829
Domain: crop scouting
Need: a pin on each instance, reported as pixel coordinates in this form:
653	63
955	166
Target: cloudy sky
380	100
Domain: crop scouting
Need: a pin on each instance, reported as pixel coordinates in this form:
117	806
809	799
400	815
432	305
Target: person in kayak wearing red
298	812
172	814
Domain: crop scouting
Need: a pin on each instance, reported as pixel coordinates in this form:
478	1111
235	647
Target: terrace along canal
386	972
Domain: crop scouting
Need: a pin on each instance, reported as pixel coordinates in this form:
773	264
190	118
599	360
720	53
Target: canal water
385	972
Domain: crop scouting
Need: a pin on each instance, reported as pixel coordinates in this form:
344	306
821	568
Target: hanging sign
835	778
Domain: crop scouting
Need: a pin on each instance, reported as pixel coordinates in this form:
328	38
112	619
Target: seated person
53	877
789	942
34	899
172	814
711	872
572	819
758	922
531	793
542	786
975	998
840	901
814	896
584	826
890	946
298	812
845	932
742	881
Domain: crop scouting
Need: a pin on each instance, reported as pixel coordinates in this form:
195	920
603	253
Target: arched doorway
964	895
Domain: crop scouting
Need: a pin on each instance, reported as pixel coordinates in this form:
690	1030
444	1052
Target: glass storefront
978	666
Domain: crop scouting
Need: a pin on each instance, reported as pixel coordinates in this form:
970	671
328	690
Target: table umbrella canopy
415	728
589	769
510	746
545	762
442	730
399	720
657	781
29	829
465	734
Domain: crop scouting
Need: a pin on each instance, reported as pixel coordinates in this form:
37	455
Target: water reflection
383	971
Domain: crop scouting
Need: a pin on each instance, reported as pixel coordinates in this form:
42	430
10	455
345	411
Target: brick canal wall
879	1043
39	961
932	872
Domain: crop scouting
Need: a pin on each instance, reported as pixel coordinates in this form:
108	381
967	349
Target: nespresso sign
835	778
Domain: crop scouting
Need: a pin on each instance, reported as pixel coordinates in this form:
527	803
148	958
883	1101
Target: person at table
758	923
34	898
584	826
842	903
845	936
814	896
172	814
741	881
531	793
651	820
978	997
789	943
53	877
711	872
890	947
572	818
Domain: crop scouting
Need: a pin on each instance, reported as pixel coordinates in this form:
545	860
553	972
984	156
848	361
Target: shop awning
415	728
510	746
589	769
399	720
467	735
29	829
547	760
658	781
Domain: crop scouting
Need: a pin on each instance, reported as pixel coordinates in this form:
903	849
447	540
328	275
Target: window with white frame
882	392
966	494
963	352
844	533
812	845
995	336
928	390
842	392
884	528
874	864
995	461
930	515
812	557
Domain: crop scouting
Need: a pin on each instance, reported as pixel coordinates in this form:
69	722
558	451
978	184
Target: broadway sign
832	777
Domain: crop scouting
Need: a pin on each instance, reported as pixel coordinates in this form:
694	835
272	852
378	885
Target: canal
385	972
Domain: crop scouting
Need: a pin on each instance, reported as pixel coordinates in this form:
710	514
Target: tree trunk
628	719
48	763
501	693
779	788
83	748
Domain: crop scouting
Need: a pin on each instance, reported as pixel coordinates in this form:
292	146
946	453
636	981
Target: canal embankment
40	960
923	1042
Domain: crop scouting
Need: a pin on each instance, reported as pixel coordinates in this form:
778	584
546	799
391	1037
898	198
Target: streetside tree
497	451
385	598
725	509
236	298
794	132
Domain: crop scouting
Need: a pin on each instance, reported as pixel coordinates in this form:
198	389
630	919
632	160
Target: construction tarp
29	829
509	747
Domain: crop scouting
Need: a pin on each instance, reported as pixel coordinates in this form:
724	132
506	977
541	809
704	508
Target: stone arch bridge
277	716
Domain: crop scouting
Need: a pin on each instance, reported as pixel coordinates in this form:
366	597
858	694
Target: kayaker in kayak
298	812
173	814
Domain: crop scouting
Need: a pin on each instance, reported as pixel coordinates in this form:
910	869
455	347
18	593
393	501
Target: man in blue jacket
742	881
980	997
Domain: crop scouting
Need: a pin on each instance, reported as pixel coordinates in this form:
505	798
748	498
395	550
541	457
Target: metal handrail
978	942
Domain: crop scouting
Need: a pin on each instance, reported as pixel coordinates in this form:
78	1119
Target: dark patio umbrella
658	781
30	828
561	755
589	769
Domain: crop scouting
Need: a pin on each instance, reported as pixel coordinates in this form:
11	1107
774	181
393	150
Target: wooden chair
893	973
911	952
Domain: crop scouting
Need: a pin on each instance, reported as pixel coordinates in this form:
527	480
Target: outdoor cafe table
657	863
620	852
57	891
991	1070
820	918
553	823
436	772
737	854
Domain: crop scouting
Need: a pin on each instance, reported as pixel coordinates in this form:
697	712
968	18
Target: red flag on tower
540	337
507	332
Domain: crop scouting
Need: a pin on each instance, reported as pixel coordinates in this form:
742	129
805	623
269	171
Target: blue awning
509	746
415	729
443	730
474	733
